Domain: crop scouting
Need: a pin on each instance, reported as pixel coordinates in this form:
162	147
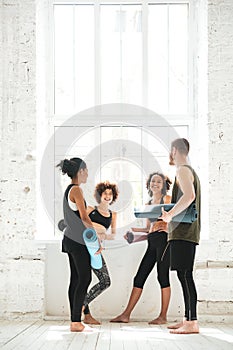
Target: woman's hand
99	251
102	236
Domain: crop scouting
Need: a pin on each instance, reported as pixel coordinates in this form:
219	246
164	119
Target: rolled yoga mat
189	215
92	244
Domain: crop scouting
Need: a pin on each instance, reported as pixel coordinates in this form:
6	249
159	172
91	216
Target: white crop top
72	205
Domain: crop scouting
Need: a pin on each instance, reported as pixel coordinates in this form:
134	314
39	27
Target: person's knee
163	280
85	280
184	275
138	283
106	283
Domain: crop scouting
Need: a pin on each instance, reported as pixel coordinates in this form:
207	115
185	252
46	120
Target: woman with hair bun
156	229
76	221
103	218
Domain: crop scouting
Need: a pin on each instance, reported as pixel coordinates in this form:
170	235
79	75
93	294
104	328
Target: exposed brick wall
220	119
21	262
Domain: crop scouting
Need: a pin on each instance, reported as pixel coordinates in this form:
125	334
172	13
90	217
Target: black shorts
182	254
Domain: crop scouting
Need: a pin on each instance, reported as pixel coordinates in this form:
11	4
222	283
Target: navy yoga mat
187	216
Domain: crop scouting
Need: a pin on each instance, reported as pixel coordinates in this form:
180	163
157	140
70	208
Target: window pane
168	58
132	55
74	58
178	58
158	58
110	54
63	61
121	54
121	162
84	57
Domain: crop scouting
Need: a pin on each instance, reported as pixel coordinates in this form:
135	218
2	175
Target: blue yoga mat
92	244
187	216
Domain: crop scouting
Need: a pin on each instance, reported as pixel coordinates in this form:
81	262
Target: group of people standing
170	245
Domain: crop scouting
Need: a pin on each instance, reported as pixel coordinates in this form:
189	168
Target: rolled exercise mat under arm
189	215
92	244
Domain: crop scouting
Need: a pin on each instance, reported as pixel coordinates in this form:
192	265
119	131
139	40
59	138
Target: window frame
172	118
45	89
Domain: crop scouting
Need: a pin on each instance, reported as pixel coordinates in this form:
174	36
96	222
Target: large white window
135	52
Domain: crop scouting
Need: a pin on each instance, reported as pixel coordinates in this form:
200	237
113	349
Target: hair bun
65	166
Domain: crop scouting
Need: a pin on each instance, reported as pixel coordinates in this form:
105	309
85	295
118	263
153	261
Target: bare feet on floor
158	320
176	326
89	319
79	327
188	327
121	318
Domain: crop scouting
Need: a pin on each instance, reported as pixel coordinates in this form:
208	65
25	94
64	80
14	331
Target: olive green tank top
186	231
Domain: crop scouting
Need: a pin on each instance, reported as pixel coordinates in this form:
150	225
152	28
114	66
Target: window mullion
191	51
74	59
168	58
97	45
145	53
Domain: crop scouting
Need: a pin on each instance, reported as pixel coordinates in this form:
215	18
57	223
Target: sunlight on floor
139	333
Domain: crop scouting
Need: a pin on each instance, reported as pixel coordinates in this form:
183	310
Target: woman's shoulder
90	209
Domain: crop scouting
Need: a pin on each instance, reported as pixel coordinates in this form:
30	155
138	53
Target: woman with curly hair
156	229
102	218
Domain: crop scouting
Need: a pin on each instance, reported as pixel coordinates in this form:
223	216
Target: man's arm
185	178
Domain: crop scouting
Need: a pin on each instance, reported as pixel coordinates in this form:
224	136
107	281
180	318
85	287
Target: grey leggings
104	282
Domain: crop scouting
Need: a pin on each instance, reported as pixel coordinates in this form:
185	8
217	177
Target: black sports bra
95	216
161	202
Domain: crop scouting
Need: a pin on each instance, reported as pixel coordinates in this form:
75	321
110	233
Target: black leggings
80	278
104	282
156	252
182	260
189	293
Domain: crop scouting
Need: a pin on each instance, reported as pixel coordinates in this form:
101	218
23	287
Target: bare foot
188	327
79	327
158	320
121	318
88	319
176	326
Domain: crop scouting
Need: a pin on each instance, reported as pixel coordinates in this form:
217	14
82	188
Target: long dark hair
166	183
72	166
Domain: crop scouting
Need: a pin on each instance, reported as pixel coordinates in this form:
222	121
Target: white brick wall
21	263
220	101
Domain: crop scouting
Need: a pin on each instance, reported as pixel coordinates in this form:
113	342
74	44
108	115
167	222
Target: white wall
21	263
22	268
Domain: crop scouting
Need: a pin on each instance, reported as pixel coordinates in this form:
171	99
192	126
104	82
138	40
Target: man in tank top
183	237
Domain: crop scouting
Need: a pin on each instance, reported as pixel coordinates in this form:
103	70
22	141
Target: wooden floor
46	335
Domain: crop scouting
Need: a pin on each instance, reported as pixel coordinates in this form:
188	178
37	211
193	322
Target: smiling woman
103	218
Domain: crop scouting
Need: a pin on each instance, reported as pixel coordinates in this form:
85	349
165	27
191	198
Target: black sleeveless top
73	233
105	221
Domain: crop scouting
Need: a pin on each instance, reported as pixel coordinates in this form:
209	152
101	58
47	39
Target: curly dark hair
101	187
166	183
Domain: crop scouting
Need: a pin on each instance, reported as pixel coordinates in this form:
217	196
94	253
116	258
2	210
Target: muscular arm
185	178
